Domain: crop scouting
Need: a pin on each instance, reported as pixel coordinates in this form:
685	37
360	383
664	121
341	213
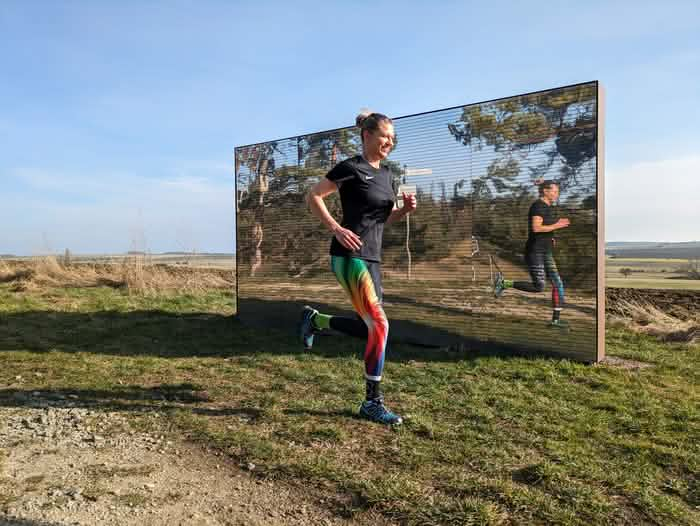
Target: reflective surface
474	169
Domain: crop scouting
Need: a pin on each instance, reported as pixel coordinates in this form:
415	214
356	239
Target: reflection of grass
462	309
488	440
511	330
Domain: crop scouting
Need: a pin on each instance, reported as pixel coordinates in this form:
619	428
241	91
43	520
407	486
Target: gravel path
67	465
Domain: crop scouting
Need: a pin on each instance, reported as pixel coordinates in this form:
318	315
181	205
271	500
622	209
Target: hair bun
362	117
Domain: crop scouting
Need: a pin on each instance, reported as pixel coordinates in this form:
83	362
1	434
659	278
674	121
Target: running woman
367	200
542	223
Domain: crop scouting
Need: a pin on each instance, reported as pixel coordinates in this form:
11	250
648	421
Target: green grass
489	439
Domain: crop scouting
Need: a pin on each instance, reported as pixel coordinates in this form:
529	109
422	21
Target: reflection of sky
424	141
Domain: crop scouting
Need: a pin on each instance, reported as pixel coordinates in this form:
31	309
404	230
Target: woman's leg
557	286
356	326
536	266
361	282
354	276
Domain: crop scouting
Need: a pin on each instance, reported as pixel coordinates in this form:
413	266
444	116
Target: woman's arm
409	205
314	198
538	227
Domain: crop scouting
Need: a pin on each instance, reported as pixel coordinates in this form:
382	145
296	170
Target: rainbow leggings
355	277
542	265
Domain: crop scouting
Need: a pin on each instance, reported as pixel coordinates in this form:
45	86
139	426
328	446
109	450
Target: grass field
649	274
489	438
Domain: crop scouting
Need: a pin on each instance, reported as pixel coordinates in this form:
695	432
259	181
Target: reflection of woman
367	199
542	223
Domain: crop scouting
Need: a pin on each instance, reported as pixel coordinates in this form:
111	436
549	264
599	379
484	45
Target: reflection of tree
275	227
259	161
558	125
553	132
324	150
537	132
442	223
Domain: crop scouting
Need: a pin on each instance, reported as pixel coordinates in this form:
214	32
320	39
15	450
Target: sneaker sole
300	325
373	420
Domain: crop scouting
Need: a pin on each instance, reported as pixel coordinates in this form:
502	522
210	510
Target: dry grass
643	316
134	274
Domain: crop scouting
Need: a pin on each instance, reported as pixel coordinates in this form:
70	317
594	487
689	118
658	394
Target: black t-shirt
367	198
540	240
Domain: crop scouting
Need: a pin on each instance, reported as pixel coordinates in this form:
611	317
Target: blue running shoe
376	411
306	327
498	285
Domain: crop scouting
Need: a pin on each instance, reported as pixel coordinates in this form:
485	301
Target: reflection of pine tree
558	125
275	226
258	161
537	132
521	138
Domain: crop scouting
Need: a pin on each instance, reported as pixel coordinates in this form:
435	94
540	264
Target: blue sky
119	119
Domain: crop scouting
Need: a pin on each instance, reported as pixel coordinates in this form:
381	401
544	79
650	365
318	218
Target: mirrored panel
501	253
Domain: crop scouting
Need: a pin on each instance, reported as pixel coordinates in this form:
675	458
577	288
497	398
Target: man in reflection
543	221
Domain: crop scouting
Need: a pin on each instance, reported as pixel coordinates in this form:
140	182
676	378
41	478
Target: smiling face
379	143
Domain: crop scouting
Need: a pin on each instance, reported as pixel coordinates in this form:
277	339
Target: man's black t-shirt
367	197
540	241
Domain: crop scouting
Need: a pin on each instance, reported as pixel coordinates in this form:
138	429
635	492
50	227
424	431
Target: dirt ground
63	464
682	304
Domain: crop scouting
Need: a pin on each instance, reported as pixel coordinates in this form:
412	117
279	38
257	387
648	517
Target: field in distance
178	259
653	265
620	271
651	273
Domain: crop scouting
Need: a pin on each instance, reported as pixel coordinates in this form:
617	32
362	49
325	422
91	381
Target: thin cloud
91	214
654	201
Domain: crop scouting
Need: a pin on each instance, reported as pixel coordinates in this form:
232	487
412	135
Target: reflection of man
542	223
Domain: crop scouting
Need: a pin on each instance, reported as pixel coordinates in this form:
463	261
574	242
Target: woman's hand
563	223
410	203
348	238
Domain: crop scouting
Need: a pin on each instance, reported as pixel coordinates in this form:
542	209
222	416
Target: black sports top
367	198
540	240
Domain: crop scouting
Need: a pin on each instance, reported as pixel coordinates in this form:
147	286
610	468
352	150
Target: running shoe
376	411
560	324
498	285
306	327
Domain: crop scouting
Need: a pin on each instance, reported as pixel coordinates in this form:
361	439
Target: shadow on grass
163	398
263	326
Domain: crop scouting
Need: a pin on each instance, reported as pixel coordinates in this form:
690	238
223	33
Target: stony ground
64	464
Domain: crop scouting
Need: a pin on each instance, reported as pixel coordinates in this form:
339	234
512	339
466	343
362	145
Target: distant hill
653	249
